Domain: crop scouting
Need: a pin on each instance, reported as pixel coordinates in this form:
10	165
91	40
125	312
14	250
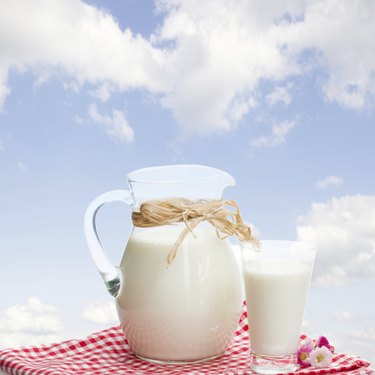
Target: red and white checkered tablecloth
107	352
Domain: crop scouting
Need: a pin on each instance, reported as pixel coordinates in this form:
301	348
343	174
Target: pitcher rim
216	173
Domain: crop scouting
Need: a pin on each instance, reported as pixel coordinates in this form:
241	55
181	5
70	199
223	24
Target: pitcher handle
108	271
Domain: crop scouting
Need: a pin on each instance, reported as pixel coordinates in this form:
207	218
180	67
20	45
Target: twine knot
223	215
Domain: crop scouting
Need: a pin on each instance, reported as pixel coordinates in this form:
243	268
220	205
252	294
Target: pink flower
308	341
303	354
322	341
320	357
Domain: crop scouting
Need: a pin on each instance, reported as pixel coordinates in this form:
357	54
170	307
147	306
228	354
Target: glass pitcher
186	311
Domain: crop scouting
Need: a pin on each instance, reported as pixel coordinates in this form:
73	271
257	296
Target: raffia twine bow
223	215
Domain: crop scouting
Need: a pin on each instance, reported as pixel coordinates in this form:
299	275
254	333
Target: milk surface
276	292
186	311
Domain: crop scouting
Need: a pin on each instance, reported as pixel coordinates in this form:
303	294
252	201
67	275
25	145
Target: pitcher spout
228	180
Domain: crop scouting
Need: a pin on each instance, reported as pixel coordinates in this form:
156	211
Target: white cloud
278	136
204	61
116	126
329	181
306	326
33	323
2	148
76	42
342	316
280	94
78	119
4	89
103	92
22	166
362	340
340	32
221	53
355	340
343	230
101	312
367	335
84	41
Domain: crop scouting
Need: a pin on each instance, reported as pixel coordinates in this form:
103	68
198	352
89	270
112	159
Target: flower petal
322	341
303	355
320	357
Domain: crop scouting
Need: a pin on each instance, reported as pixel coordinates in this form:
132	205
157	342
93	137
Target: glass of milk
277	278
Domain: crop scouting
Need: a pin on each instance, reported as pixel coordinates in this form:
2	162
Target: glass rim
280	247
304	244
207	173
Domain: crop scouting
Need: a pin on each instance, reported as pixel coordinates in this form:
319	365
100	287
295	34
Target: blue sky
280	96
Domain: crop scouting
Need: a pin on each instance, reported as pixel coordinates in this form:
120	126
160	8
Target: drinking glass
277	279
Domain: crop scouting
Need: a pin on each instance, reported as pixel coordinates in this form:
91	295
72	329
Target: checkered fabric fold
107	352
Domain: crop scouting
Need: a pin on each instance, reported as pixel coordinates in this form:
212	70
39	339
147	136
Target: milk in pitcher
187	310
